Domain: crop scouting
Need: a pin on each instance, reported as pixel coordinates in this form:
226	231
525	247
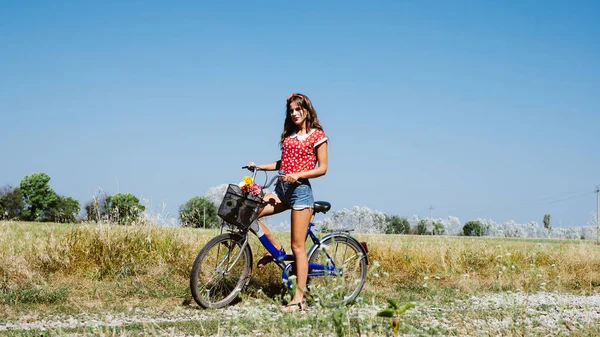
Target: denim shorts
295	196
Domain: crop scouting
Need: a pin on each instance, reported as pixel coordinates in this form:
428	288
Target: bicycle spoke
220	271
341	284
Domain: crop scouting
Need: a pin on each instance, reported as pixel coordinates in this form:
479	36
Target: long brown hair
312	121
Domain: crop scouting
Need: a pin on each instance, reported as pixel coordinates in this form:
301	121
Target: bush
473	228
361	219
96	209
198	212
124	209
64	209
438	228
421	228
11	203
397	225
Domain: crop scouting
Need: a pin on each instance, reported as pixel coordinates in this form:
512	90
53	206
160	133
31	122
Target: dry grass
486	264
57	263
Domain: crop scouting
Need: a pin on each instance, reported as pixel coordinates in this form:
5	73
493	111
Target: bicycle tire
350	273
214	282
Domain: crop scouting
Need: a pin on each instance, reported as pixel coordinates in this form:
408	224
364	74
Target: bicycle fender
349	237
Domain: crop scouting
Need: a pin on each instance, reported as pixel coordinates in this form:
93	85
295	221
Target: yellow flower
248	180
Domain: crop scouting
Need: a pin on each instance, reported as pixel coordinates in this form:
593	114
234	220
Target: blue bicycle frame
314	270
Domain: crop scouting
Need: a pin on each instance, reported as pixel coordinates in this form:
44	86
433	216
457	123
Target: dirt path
543	314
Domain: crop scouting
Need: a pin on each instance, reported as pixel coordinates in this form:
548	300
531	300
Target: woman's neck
302	130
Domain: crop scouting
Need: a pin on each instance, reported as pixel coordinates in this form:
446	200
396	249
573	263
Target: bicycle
337	262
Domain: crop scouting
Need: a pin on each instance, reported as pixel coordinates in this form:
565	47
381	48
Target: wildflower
255	190
245	188
247	180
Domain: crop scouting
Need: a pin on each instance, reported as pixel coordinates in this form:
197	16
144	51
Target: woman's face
297	114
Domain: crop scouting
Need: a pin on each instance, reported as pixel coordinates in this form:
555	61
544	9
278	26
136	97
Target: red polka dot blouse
299	152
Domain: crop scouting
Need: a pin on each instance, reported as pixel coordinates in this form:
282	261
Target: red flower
255	190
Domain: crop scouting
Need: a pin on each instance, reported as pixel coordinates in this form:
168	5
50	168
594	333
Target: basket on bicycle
240	208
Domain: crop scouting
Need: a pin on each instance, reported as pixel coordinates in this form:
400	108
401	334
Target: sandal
293	307
264	260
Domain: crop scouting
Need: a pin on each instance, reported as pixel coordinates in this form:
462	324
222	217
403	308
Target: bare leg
275	206
300	220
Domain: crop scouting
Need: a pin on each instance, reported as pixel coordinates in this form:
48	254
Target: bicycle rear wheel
344	274
220	271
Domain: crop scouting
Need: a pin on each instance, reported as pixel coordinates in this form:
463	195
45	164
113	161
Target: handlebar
279	175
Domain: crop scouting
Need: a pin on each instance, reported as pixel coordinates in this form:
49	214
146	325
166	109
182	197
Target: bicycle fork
239	254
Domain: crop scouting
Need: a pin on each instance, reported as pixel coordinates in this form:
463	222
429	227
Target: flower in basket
245	184
255	190
248	186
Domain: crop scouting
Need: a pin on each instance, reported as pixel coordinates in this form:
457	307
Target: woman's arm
267	167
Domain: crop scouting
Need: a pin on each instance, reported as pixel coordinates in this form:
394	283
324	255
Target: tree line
35	200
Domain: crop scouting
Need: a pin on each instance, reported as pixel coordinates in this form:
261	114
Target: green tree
64	209
37	196
124	208
547	222
396	225
198	212
11	203
438	228
473	228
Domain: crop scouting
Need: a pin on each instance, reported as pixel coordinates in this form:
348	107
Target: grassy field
57	272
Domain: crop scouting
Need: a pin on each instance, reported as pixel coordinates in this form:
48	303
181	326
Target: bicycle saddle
321	206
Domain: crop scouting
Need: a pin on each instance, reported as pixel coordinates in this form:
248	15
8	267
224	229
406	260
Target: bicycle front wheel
220	271
339	270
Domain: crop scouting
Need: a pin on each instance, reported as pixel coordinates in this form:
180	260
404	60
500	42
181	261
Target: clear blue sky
484	109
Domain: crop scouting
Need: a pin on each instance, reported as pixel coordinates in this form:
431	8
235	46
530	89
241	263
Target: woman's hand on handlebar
251	166
291	178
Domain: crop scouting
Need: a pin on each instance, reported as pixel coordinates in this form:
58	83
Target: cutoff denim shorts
295	196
